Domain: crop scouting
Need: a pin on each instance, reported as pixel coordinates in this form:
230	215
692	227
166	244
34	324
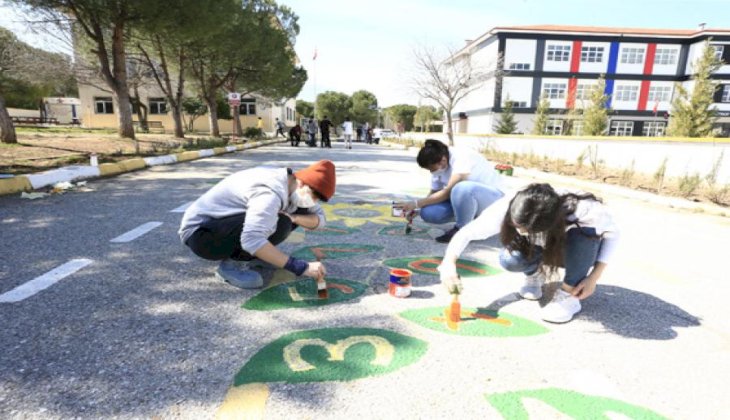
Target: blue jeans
581	251
467	201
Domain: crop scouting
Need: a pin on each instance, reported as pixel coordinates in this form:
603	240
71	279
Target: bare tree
449	78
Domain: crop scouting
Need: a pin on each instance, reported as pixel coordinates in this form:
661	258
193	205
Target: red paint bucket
400	282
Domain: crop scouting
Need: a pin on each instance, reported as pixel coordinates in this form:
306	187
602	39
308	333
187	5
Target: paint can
400	283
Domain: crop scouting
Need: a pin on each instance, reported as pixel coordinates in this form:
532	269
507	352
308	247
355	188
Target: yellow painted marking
384	350
244	402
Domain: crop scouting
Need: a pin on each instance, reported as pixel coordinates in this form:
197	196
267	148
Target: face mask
523	233
302	197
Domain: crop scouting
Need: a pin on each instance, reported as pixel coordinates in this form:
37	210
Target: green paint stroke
573	404
360	358
484	324
334	230
356	213
428	265
280	296
334	251
417	232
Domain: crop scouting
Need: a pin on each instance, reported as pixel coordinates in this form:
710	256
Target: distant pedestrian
279	129
324	127
260	125
347	132
312	131
365	129
295	135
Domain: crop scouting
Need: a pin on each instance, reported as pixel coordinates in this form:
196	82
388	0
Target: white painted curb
206	153
160	160
69	173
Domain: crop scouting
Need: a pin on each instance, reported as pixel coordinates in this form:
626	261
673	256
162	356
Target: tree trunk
449	129
7	130
120	88
237	129
213	116
177	118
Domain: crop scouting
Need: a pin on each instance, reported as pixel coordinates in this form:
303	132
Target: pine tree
595	116
692	113
506	123
573	116
541	116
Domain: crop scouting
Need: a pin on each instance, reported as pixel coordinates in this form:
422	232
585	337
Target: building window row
555	127
719	49
558	53
591	54
621	128
654	128
517	104
158	106
659	93
554	90
725	94
626	93
519	66
666	56
247	107
104	105
632	55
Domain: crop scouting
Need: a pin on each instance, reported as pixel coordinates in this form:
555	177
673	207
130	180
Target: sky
368	44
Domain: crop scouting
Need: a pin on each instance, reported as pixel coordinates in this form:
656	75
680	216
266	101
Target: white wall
598	67
624	68
520	51
519	89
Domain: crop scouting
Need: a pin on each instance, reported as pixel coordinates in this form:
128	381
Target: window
104	105
519	66
719	49
583	91
725	94
659	93
554	90
517	104
591	54
577	129
654	128
621	128
247	107
554	127
558	53
666	56
158	106
626	93
632	55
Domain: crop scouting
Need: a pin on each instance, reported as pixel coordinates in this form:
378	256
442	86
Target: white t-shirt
467	161
347	127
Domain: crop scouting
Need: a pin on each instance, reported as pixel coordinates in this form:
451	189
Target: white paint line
136	232
182	208
69	173
46	280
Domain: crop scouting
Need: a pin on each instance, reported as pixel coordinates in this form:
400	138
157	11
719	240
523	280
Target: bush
687	184
253	133
205	143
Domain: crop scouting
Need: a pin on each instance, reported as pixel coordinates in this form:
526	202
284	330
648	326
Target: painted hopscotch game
360	245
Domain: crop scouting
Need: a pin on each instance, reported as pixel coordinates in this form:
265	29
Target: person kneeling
463	184
250	212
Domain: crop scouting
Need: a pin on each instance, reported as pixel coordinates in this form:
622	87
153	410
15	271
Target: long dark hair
542	211
431	153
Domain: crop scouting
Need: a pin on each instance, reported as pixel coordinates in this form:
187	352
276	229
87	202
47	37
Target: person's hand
407	206
585	288
315	270
450	278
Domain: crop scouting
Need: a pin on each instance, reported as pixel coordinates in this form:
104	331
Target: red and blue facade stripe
574	69
612	63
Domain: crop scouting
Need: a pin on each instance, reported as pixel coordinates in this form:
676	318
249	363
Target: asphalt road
136	326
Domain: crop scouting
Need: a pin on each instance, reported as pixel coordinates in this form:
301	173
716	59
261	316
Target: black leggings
218	239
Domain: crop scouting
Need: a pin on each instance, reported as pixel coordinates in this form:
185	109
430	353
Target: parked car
381	133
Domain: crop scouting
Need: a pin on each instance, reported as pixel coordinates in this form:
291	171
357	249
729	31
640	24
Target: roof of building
609	30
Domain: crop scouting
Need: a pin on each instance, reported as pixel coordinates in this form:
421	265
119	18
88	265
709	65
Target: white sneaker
532	289
561	308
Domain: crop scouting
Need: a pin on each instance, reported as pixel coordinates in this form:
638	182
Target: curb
31	182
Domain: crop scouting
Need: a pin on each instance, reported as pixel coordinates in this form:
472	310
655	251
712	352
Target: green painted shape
331	251
573	404
279	297
333	230
465	268
356	213
417	232
268	365
520	327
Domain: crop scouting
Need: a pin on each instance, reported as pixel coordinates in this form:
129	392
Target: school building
561	63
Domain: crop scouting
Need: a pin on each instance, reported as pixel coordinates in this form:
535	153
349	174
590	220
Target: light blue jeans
581	251
468	200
